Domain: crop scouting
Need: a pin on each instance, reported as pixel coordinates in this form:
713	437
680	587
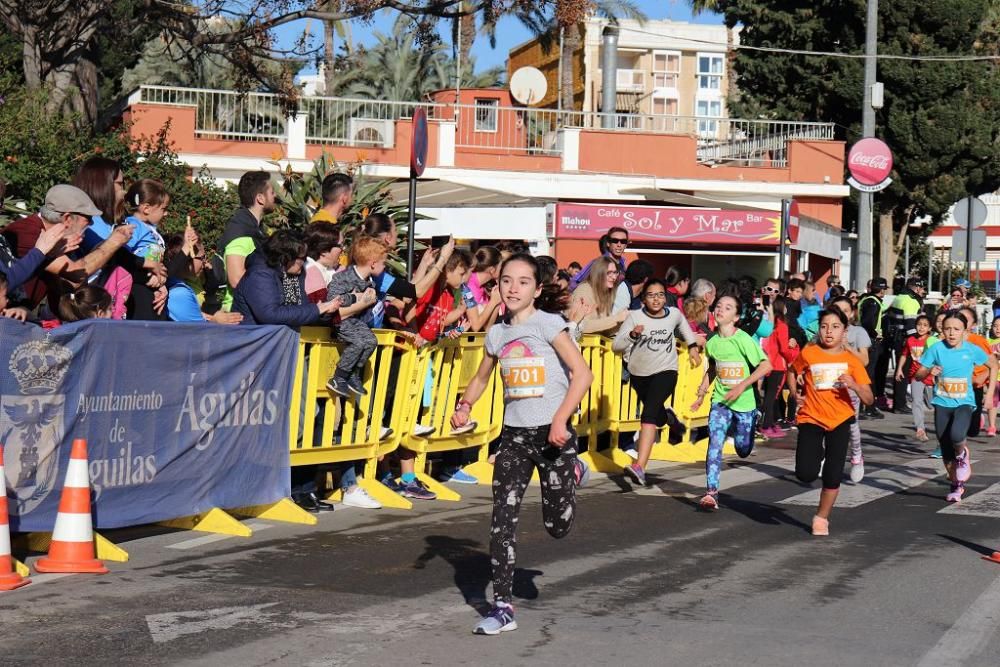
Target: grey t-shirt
534	378
858	338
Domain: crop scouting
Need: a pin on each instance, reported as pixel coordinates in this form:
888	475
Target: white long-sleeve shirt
655	350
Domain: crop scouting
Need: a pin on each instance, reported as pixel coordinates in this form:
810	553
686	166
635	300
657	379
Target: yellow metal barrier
351	428
625	409
596	411
451	363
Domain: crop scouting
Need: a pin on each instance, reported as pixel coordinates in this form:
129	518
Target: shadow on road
978	548
472	570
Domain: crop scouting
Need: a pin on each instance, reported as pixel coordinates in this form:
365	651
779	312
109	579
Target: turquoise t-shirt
146	241
953	387
731	355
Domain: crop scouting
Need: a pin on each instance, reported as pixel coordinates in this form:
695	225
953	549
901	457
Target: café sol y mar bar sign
669	225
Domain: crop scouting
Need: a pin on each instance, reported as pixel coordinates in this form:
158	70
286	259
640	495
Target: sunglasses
617	241
771	290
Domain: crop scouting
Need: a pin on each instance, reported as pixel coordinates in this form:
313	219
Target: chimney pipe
609	76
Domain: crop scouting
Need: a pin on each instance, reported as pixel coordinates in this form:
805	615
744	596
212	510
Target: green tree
941	119
65	47
401	68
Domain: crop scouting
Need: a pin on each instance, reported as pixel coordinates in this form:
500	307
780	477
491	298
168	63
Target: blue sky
509	32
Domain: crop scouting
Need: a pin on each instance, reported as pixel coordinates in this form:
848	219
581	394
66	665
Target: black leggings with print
521	450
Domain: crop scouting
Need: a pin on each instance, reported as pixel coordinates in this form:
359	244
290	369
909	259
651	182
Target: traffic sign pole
968	239
418	161
785	206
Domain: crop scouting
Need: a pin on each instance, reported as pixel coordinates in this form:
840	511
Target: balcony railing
630	80
512	130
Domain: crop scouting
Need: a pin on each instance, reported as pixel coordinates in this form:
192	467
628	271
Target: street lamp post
865	261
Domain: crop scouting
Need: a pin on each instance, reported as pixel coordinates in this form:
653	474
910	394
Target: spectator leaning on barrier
85	303
273	291
436	309
393	288
185	260
612	246
71	207
324	246
51	242
243	234
598	292
338	193
127	276
573	269
368	257
481	304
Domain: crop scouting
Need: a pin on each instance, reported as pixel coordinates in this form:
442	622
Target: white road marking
730	478
165	627
968	637
209	539
878	483
984	503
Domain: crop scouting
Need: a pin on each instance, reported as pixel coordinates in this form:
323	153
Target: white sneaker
420	430
857	469
633	453
384	433
358	497
468	427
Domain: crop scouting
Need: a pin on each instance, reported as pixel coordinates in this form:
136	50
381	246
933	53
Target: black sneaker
356	388
339	387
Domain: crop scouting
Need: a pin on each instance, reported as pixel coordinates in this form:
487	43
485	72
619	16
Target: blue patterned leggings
723	422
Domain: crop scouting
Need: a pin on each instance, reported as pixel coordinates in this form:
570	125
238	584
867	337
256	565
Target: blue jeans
722	422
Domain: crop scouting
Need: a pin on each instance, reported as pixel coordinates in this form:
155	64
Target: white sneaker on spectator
358	497
420	430
633	453
468	427
384	433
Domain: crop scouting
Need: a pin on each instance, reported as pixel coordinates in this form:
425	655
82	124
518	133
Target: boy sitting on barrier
368	257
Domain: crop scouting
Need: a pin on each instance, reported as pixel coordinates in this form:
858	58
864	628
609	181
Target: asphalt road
644	578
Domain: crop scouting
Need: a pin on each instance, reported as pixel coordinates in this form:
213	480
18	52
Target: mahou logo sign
870	163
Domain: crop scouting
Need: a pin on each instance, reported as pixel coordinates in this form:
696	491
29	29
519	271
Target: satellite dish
528	86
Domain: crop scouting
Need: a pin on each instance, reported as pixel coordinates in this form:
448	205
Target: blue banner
179	418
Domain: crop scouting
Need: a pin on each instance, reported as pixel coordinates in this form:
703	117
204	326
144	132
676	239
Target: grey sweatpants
359	344
921	395
855	427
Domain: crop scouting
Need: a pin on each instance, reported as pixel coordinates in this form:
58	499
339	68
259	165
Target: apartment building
665	69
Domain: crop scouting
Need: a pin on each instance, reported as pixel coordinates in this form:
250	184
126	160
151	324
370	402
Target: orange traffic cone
72	548
9	579
995	557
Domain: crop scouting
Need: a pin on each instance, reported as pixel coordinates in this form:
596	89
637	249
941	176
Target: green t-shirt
241	247
731	355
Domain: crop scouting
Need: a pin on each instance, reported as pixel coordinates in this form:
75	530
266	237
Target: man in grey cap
71	208
56	240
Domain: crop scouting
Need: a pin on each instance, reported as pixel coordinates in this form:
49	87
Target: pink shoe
991	431
963	468
956	493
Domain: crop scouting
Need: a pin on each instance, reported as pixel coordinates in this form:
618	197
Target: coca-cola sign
870	163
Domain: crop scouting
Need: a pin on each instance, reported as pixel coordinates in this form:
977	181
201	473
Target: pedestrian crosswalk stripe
878	483
984	503
748	473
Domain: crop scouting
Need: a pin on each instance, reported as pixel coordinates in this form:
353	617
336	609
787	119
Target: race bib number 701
523	377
